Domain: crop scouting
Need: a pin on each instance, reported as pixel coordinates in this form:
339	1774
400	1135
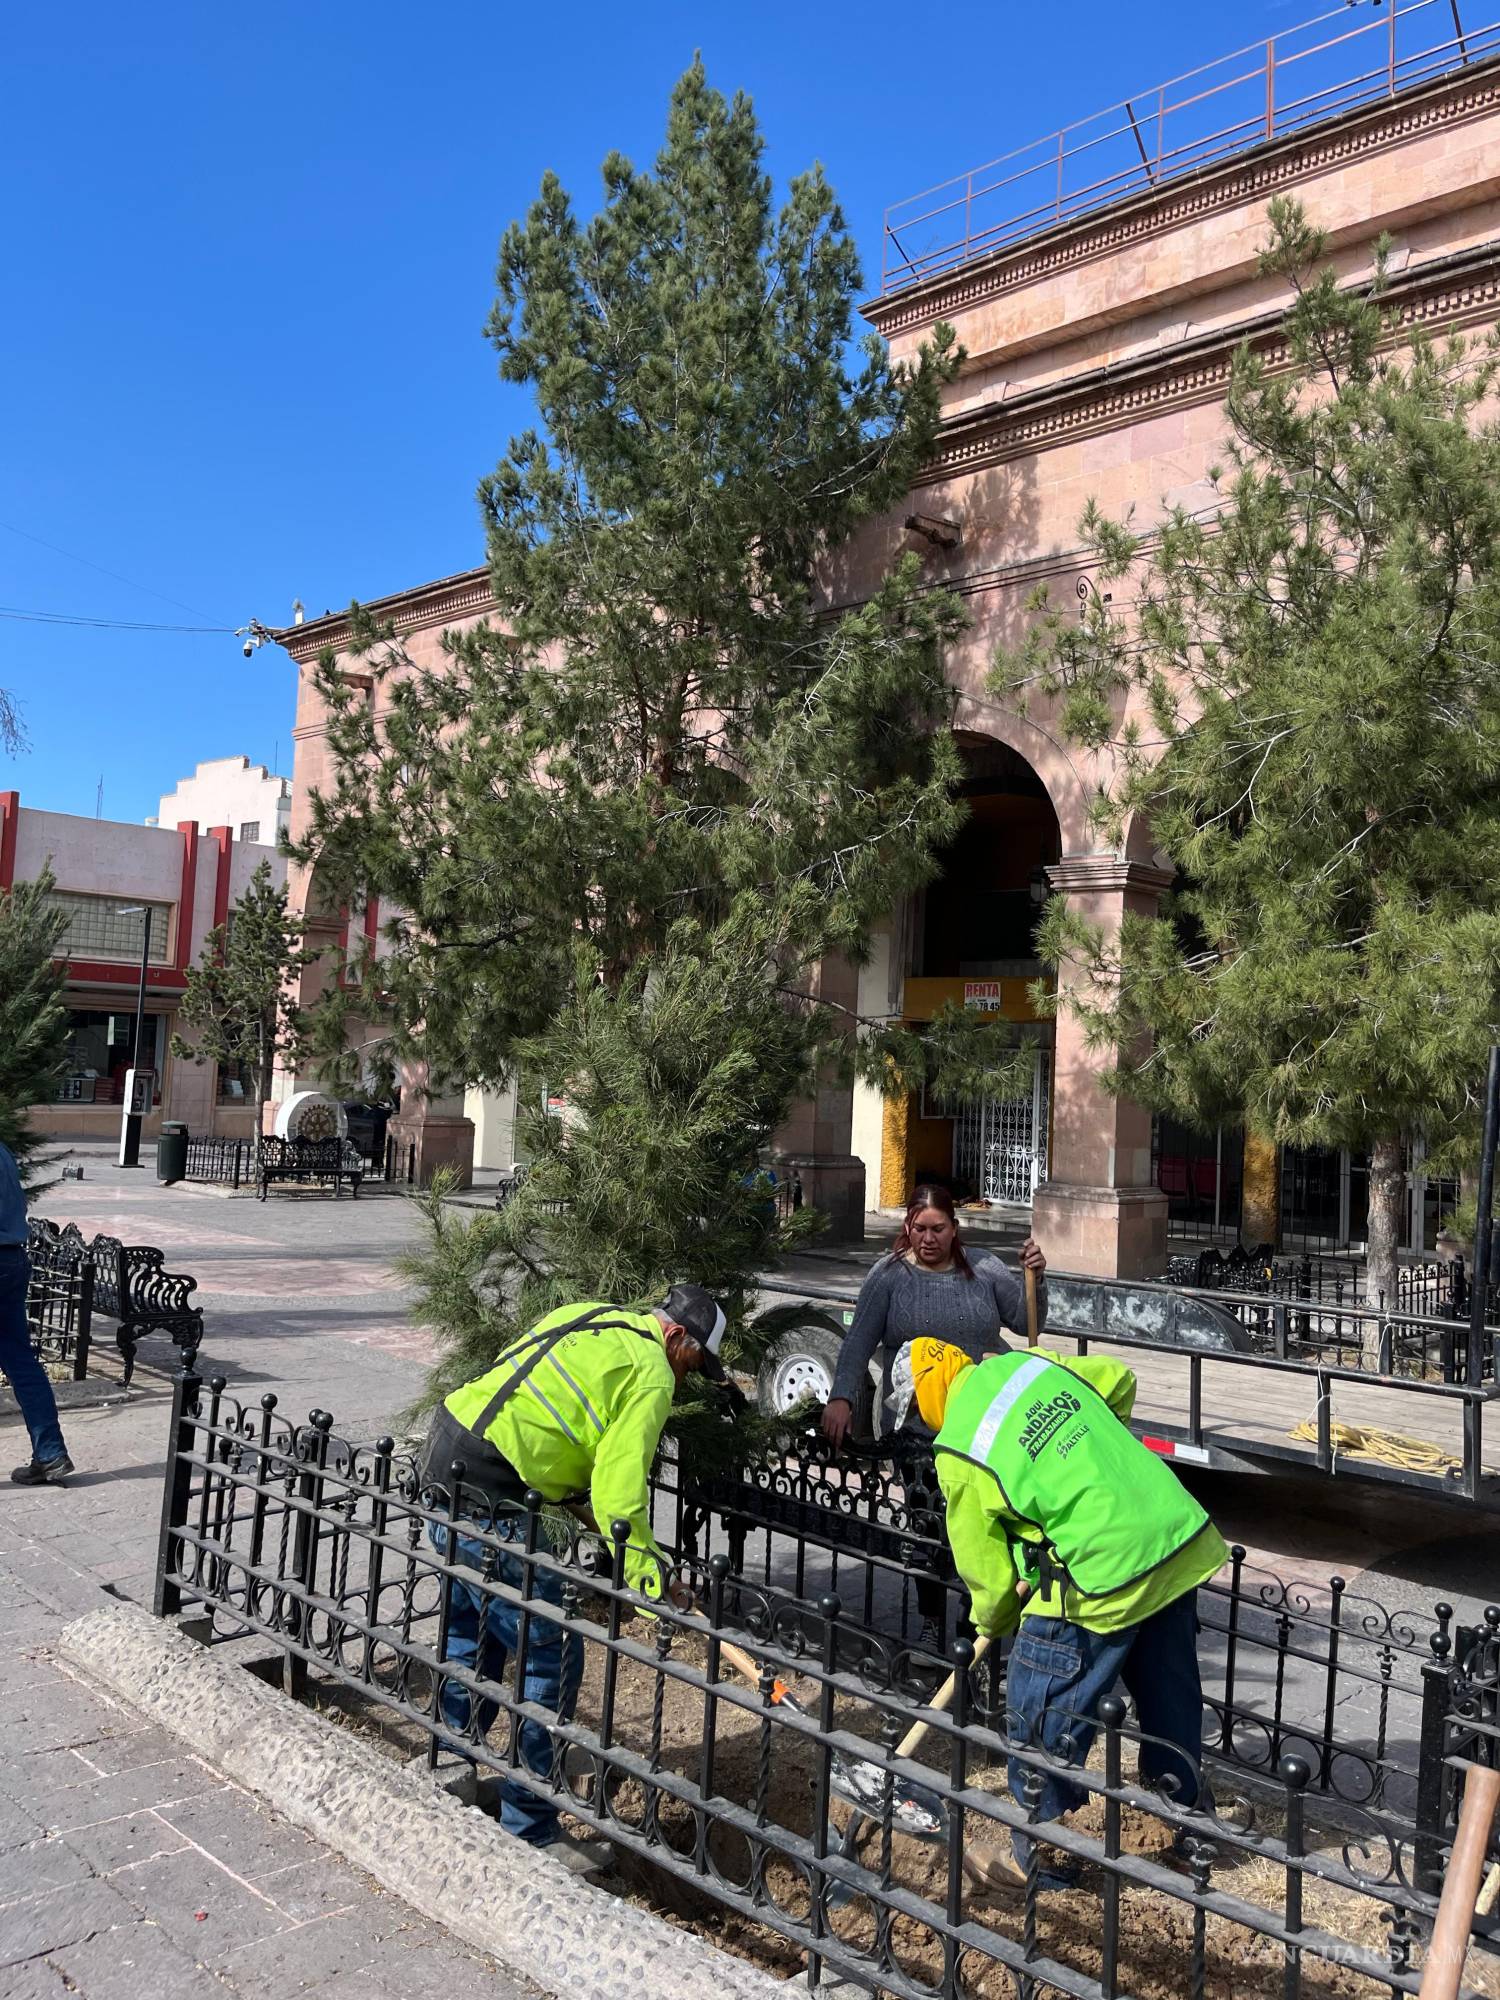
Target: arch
1055	765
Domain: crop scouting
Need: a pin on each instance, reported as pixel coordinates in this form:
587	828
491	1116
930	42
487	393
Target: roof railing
1296	79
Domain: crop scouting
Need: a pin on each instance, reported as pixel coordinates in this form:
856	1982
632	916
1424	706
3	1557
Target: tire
802	1364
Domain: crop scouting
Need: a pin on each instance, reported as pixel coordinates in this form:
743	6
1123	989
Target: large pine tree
1311	668
625	820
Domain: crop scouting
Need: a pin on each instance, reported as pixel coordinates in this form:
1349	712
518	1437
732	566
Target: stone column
1099	1211
815	1141
435	1125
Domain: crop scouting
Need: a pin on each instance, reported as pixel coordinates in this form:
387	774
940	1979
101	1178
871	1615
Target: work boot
580	1857
43	1472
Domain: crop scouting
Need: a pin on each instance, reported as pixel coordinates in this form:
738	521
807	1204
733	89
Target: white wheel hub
799	1377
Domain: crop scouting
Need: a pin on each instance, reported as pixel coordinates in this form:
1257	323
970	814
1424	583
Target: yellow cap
935	1366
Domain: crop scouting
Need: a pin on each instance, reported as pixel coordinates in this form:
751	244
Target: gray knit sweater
899	1302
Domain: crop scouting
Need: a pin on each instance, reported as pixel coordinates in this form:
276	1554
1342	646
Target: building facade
1100	284
231	791
113	879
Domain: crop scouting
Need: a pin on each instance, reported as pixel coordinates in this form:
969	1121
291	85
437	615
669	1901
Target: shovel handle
939	1702
739	1658
1443	1969
1032	1328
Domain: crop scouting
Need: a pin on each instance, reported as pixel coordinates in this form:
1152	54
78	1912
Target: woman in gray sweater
930	1284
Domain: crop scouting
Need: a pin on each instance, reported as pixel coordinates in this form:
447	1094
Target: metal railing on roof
1269	90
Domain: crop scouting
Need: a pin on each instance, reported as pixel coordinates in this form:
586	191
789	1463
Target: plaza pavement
127	1867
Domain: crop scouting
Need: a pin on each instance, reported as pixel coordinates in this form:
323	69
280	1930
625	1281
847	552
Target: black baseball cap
697	1312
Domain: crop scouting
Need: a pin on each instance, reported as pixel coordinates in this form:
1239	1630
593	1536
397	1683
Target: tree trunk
1386	1212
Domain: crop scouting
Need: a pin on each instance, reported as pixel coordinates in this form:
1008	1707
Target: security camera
248	648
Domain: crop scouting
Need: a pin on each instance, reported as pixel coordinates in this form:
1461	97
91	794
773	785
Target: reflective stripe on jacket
586	1420
1042	1478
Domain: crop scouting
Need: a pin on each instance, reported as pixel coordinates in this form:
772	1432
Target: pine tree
33	1020
623	823
1311	672
241	995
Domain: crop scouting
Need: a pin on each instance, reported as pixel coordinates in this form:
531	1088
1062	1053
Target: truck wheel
800	1368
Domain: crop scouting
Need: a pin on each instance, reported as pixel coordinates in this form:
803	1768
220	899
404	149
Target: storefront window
99	1048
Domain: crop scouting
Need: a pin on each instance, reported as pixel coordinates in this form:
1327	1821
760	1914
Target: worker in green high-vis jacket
1064	1525
572	1410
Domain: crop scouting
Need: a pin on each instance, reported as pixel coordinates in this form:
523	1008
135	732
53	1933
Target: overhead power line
102	624
88	563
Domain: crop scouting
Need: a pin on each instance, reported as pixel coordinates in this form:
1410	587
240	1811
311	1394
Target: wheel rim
799	1377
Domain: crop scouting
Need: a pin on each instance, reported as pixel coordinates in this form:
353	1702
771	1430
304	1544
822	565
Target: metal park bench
73	1282
309	1160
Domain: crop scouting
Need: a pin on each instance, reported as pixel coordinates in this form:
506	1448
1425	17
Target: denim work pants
1058	1675
23	1371
483	1631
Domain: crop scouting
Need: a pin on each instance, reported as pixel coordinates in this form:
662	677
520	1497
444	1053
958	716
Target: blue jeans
24	1372
1059	1673
483	1631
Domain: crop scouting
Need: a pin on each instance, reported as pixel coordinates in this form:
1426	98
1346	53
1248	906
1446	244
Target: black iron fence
723	1791
60	1299
221	1162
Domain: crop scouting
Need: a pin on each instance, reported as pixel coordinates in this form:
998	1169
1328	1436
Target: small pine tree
33	1020
241	995
1318	661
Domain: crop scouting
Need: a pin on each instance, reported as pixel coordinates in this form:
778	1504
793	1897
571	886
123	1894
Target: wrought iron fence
221	1162
1270	90
723	1789
60	1298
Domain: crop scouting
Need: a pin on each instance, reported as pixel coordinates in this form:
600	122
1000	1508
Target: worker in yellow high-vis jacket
1063	1524
574	1409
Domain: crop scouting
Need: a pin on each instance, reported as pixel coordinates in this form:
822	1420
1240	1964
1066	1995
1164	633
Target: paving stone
170	1783
18	1825
41	1774
44	1923
301	1958
321	1888
37	1980
124	1842
172	1889
147	1745
137	1962
242	1836
38	1867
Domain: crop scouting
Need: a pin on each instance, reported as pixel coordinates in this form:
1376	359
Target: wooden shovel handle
1444	1964
939	1702
738	1657
1032	1328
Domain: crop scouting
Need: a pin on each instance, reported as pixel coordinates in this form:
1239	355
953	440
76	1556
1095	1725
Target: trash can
171	1152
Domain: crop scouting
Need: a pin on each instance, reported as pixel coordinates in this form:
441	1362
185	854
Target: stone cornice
1248	177
1450	291
464	596
1092	874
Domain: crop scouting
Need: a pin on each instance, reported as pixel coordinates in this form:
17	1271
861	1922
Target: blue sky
249	253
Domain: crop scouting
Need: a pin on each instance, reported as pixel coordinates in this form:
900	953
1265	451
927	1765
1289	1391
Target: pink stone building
108	875
1100	283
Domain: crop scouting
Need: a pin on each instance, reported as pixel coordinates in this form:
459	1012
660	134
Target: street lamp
138	1083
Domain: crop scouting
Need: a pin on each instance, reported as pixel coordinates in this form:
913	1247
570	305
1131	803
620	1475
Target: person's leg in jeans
548	1676
1057	1676
483	1631
1161	1676
467	1611
25	1373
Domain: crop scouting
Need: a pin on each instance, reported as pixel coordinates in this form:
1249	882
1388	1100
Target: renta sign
983	995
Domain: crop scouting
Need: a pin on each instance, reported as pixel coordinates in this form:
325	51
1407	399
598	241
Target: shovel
915	1810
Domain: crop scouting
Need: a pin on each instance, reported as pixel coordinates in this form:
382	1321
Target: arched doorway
969	938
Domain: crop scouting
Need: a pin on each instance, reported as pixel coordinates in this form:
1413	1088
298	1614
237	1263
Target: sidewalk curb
450	1863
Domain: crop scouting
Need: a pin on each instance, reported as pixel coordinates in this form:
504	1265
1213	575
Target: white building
230	791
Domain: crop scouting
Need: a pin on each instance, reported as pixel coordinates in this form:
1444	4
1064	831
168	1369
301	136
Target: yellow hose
1387	1447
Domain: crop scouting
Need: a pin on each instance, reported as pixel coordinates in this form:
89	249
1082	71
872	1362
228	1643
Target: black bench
322	1160
72	1281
